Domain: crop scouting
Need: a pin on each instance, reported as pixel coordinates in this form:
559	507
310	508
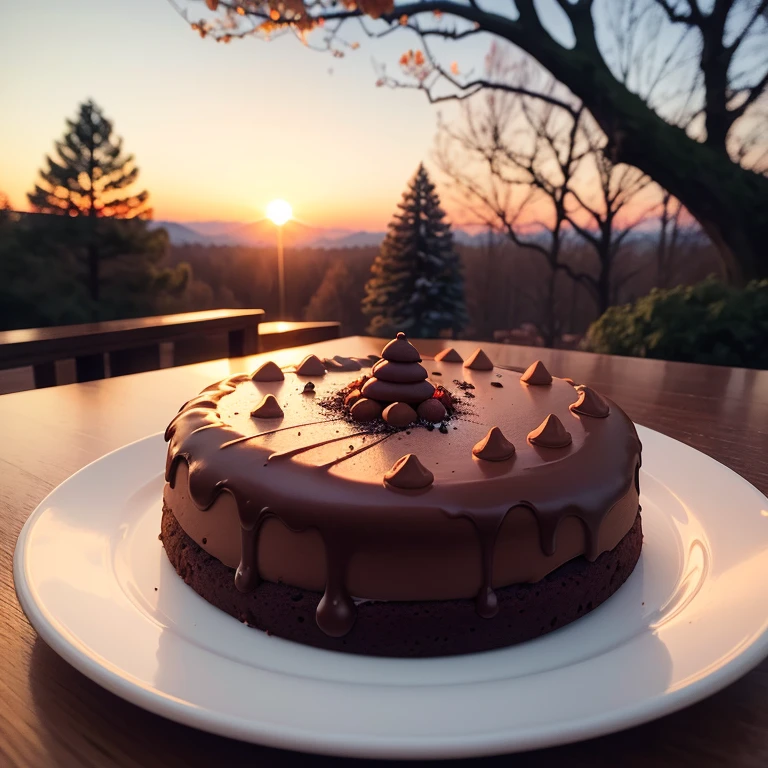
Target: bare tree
541	177
513	162
669	231
610	219
684	143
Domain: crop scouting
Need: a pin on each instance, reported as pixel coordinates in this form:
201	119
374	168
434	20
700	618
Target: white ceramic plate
93	579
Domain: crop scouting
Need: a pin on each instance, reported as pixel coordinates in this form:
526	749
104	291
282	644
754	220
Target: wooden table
52	715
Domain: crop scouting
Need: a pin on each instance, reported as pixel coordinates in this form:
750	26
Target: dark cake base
426	628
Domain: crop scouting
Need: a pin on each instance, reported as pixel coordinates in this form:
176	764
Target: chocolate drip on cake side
198	433
251	519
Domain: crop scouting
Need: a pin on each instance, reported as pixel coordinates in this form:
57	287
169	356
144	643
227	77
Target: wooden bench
132	345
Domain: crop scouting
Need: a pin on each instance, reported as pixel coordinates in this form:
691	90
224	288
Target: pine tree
90	174
417	284
88	187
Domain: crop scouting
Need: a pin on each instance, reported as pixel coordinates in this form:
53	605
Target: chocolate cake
402	507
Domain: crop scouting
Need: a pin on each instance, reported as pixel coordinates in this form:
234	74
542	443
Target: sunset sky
217	130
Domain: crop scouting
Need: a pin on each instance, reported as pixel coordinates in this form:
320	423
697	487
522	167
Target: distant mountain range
295	234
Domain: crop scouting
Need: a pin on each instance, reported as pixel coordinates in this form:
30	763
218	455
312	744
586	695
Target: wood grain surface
51	715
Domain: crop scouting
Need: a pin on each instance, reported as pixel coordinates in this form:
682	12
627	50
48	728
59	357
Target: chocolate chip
444	429
436	373
497	384
430	427
205	541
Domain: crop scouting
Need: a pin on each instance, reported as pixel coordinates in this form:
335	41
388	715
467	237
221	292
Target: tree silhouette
416	284
90	174
90	180
618	62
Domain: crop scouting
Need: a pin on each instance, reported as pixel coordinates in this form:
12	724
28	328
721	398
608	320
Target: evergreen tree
90	175
417	284
88	187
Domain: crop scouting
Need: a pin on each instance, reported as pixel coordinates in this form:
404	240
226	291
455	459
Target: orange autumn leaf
241	10
212	4
418	58
403	20
377	8
454	68
274	15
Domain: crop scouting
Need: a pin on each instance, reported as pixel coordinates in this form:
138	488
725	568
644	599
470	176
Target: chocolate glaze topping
324	474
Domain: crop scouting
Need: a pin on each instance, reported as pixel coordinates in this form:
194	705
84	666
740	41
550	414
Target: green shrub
705	323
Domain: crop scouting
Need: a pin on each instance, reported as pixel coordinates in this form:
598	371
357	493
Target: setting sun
280	212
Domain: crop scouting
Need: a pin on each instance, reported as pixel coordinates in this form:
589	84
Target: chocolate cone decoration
399	378
550	433
536	374
268	408
399	415
449	355
479	361
310	366
590	403
494	447
400	350
268	371
409	474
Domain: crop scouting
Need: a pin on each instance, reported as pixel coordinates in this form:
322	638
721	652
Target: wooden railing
119	347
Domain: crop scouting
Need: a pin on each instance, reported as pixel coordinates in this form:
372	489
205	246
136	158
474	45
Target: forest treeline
506	286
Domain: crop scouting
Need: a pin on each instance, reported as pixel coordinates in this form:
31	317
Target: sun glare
280	212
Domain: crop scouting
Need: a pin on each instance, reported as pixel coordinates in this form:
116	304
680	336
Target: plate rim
349	743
